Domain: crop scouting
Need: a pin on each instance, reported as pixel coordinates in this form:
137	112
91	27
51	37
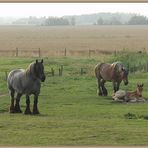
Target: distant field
107	38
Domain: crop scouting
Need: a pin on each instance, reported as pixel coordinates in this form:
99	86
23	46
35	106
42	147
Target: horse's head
125	75
39	70
140	89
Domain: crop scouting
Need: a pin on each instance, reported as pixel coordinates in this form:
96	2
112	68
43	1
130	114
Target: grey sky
60	9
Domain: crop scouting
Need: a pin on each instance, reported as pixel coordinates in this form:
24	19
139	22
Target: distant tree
33	20
53	21
100	21
73	21
115	21
138	20
111	21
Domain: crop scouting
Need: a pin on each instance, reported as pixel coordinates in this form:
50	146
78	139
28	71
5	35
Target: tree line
43	21
93	19
134	20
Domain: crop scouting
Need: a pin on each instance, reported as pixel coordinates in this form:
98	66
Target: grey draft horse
114	72
26	82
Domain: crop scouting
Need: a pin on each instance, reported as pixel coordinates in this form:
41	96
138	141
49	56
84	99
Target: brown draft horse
114	72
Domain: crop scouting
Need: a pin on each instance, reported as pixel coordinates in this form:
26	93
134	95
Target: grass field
106	38
71	112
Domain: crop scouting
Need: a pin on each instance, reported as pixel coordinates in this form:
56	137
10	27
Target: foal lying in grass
130	96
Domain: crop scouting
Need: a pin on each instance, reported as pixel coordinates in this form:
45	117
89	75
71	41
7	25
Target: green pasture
71	113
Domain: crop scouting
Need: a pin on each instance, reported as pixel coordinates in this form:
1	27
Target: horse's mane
117	66
30	70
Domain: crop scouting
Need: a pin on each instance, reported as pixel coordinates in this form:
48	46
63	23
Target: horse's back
14	78
97	69
104	71
23	83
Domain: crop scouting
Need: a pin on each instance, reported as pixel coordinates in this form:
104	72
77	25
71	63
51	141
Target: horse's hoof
36	112
27	112
105	94
11	111
100	94
17	111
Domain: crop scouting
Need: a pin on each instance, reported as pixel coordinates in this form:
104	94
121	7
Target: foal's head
39	70
139	89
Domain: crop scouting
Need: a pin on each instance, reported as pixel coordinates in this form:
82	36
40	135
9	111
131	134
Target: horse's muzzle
43	78
126	82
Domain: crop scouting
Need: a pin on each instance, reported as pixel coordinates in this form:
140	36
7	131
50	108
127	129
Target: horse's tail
9	77
97	70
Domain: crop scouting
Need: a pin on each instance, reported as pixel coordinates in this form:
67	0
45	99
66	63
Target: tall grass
134	61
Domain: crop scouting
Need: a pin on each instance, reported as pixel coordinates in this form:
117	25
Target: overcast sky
61	9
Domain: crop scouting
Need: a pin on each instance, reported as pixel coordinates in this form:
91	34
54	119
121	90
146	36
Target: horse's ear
42	61
36	61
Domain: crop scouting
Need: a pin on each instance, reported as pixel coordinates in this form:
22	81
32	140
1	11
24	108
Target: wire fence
18	52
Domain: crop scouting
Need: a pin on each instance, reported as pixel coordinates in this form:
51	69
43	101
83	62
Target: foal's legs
12	92
17	105
27	111
35	108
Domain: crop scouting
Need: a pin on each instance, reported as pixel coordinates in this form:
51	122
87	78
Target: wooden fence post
115	53
62	67
65	52
128	67
81	71
52	71
147	67
6	75
39	52
89	53
61	70
16	53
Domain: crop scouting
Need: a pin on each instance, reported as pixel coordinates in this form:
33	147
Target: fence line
19	52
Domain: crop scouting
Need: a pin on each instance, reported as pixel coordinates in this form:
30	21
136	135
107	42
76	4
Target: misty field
104	38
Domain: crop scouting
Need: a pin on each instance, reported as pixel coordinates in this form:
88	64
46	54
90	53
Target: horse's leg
12	92
105	93
118	85
114	87
17	105
27	111
100	92
35	108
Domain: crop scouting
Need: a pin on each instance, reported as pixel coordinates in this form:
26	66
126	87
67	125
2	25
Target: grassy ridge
71	111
